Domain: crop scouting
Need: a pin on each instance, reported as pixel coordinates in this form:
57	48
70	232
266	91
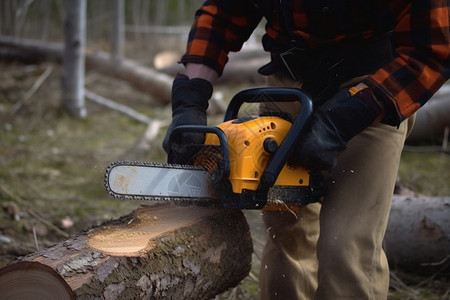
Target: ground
52	166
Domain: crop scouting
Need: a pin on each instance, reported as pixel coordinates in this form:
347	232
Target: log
142	78
431	121
162	252
237	70
418	233
432	118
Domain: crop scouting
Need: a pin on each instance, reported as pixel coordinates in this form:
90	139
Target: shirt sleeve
422	63
220	26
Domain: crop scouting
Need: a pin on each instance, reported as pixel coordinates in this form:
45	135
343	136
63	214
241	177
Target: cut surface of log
132	238
32	280
162	252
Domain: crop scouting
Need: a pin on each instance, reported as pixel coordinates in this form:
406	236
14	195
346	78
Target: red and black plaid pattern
422	65
421	38
220	27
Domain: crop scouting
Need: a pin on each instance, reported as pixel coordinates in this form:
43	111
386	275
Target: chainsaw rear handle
275	94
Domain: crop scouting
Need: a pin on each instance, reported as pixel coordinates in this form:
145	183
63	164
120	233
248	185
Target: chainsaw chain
181	200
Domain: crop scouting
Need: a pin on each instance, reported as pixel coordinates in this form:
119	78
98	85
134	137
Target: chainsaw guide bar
152	181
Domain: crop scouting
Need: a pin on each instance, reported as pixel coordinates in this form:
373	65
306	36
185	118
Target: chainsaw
242	164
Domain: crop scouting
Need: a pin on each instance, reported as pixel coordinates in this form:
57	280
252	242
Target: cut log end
33	280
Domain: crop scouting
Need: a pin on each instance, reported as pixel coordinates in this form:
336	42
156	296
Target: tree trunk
418	233
118	36
73	58
162	252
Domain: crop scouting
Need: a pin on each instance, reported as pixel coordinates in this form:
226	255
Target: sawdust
141	231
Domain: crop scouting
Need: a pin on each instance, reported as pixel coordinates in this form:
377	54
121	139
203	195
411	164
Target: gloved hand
334	123
189	103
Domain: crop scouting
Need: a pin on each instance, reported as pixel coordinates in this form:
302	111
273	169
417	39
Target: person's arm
200	71
220	26
395	91
422	63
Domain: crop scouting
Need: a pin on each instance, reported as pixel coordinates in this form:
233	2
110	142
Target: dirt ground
52	167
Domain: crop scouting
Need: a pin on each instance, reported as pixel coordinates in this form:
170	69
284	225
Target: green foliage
426	173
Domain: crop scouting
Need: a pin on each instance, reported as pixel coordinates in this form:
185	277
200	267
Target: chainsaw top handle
275	94
269	176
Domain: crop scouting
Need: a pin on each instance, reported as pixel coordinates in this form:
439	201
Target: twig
253	277
232	294
46	222
401	287
10	194
445	296
35	238
445	141
33	90
117	107
150	133
439	263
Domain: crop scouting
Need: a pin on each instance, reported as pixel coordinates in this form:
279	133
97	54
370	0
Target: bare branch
33	89
117	107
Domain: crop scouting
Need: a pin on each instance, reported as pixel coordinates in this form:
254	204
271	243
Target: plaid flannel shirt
421	39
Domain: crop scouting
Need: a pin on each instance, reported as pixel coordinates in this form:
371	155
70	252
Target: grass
426	173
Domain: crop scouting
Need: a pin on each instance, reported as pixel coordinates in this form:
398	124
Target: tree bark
162	252
73	58
118	32
418	233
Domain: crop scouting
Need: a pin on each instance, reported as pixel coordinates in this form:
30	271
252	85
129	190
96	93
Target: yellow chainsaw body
249	153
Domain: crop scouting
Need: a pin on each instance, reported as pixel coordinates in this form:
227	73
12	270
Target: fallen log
432	118
142	78
237	70
418	233
162	252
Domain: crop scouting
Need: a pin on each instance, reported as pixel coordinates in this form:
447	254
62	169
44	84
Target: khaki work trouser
344	259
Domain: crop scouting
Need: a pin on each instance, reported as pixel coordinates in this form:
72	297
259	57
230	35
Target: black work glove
333	125
189	103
